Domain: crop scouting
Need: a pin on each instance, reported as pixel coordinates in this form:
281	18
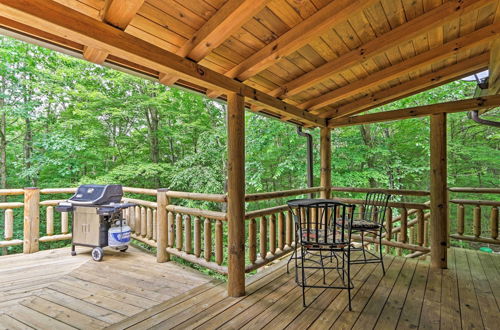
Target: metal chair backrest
375	206
317	224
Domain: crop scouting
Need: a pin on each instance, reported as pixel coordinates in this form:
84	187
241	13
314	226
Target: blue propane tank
119	235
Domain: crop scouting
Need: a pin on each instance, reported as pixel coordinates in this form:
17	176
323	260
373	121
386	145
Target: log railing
476	220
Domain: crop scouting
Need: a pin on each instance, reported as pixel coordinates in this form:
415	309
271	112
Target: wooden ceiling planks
320	59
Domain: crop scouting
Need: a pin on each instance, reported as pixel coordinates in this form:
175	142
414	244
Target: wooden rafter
328	17
436	17
494	68
167	79
117	13
447	107
120	13
227	20
58	19
434	55
425	82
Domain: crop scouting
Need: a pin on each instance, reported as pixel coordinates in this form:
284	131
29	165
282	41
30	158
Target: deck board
409	296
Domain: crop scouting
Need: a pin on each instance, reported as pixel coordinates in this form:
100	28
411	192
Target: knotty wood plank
35	319
487	303
63	314
374	307
9	323
126	297
469	307
389	316
492	273
84	307
450	307
150	312
365	294
338	306
96	298
309	315
430	317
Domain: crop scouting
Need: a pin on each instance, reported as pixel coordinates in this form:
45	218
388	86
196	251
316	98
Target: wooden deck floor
409	296
53	290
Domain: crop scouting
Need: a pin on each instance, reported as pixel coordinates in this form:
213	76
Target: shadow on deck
136	292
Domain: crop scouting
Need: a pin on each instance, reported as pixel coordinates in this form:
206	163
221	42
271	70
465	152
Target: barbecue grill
97	218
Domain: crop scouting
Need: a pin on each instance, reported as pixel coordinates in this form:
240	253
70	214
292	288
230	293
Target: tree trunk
3	149
369	142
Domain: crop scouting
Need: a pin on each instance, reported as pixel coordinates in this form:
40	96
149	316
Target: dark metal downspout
474	115
309	157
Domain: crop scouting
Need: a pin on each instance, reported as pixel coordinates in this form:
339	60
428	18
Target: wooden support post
31	219
236	194
162	226
326	161
439	192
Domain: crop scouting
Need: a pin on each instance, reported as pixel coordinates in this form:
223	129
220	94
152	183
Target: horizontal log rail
11	205
407	205
387	191
475	202
475	190
279	194
11	192
267	211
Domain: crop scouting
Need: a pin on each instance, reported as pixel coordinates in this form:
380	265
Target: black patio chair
371	221
322	237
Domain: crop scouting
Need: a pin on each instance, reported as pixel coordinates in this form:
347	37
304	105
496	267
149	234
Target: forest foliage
64	122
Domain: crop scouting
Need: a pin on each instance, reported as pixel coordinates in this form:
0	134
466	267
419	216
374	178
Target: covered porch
282	76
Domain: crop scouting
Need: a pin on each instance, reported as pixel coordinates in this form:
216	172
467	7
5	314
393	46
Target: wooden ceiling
305	61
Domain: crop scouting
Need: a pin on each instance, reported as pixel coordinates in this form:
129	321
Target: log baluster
50	220
388	227
218	243
272	234
281	232
131	218
426	233
460	219
64	223
138	220
494	222
155	226
171	229
289	229
252	241
420	227
404	225
263	237
144	222
207	239
187	234
178	231
477	220
9	224
149	223
197	237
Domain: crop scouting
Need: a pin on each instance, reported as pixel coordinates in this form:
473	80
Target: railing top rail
10	192
58	191
264	212
387	191
406	205
220	198
475	202
11	205
475	190
278	194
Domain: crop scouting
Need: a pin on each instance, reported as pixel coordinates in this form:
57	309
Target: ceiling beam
224	23
328	17
494	68
118	13
167	79
55	18
447	107
420	61
436	17
431	80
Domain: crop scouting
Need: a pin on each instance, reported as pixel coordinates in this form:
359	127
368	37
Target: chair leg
349	278
296	266
322	266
